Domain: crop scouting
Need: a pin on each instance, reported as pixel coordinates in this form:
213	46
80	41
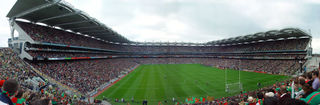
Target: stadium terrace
63	55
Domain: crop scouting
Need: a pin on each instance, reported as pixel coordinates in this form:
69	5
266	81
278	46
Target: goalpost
236	86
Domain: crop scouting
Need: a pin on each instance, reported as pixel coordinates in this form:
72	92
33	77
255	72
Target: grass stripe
164	81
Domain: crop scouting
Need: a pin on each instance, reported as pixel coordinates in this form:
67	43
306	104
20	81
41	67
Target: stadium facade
53	32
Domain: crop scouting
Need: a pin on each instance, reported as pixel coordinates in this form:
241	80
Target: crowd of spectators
64	54
11	66
84	75
72	73
88	75
56	54
79	73
51	35
15	77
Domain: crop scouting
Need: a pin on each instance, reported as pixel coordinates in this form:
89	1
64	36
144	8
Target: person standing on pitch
145	102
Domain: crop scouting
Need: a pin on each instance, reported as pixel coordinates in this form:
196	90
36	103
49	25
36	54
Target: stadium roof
283	34
61	14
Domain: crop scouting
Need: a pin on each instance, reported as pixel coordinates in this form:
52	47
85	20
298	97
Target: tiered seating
12	67
46	34
277	57
85	75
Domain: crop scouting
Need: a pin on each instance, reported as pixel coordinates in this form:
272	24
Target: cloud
316	45
148	27
4	24
194	20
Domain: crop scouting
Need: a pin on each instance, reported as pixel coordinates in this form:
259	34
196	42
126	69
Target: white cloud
316	45
147	20
271	14
148	27
4	24
313	1
176	26
193	20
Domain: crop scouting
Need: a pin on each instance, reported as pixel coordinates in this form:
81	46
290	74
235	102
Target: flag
193	100
187	100
260	102
292	88
197	100
14	100
21	100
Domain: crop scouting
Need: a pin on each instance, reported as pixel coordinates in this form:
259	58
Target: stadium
59	55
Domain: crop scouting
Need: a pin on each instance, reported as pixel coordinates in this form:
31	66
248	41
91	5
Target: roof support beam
103	33
35	9
109	37
105	36
69	23
94	31
59	16
85	27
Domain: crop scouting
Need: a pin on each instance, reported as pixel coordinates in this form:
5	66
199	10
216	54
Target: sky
193	20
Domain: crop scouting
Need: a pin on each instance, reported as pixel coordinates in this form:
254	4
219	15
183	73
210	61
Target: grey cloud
207	19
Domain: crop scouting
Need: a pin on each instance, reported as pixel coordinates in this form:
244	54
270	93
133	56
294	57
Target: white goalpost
235	86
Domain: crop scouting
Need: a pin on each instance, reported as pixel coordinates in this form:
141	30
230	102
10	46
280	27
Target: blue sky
193	20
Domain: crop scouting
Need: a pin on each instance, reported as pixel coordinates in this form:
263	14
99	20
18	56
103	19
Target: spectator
283	93
300	86
313	98
9	89
270	99
289	101
315	78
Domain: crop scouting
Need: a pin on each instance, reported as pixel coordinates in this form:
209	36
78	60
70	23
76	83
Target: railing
71	46
127	52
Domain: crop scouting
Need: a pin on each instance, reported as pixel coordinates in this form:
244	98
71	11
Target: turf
164	81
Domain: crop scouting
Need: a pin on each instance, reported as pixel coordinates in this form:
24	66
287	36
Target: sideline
101	91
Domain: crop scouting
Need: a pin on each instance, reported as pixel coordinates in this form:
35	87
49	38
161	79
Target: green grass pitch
164	81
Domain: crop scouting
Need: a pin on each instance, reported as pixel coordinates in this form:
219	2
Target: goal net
233	78
233	87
